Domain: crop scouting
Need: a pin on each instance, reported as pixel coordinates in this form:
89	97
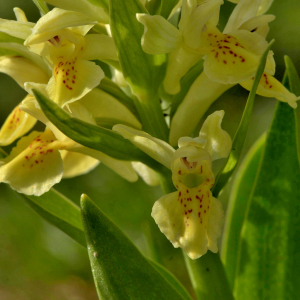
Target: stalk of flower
232	58
191	218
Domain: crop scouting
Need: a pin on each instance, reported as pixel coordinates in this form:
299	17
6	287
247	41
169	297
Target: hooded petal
199	17
99	46
75	164
194	105
155	148
16	125
147	174
218	141
34	165
180	61
103	106
259	24
263	7
186	10
84	7
244	11
14	66
16	29
53	22
271	87
159	36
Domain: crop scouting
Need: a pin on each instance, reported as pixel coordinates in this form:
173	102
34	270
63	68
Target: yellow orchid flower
264	5
182	43
191	218
232	57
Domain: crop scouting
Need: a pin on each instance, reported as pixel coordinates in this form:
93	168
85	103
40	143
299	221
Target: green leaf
295	88
161	7
143	72
238	203
208	277
241	133
42	6
185	85
100	3
268	261
95	137
114	90
120	271
59	211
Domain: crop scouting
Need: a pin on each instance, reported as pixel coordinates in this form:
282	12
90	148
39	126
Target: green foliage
142	71
59	211
240	136
120	271
41	5
100	3
6	38
161	7
238	203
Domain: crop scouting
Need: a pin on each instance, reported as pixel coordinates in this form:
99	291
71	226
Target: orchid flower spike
182	44
191	218
232	58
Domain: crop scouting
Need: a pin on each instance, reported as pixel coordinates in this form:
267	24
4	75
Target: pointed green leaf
143	72
295	88
161	7
42	6
269	248
238	203
241	133
95	137
59	211
120	271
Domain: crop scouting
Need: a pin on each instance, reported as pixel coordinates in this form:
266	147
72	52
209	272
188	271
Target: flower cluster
57	56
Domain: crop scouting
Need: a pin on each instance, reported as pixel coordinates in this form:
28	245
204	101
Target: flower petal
259	24
20	15
271	87
264	6
84	7
76	164
16	125
180	61
104	106
183	217
194	105
122	168
53	22
16	29
159	36
199	17
235	57
23	51
14	66
147	174
155	148
186	10
244	11
99	46
73	78
218	140
34	166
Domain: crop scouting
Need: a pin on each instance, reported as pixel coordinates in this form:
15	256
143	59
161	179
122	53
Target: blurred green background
37	261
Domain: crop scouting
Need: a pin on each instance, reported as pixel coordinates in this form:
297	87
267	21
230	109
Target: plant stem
208	277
